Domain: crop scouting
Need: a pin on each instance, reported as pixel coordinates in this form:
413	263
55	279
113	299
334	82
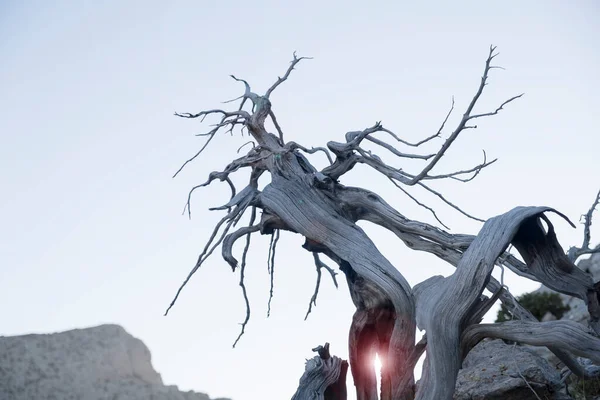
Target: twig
204	114
575	252
211	136
247	94
188	206
242	284
207	250
332	273
224	122
588	223
419	203
427	139
245	144
454	175
270	251
497	109
466	117
272	115
274	240
319	264
280	80
222	177
313	299
438	194
393	150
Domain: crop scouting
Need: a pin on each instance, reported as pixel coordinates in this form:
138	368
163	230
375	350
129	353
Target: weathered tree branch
280	80
242	276
241	202
319	264
462	125
271	266
568	335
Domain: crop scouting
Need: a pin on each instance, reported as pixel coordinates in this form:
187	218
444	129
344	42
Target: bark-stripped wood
574	337
324	377
306	201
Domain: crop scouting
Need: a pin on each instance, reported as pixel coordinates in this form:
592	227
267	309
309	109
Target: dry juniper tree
312	203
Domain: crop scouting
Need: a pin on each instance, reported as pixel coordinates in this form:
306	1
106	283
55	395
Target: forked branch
240	118
575	252
351	152
462	125
280	80
319	264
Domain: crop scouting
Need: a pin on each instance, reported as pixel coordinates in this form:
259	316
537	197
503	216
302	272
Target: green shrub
538	304
585	389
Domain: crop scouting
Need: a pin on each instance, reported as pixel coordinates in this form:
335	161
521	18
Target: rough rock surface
494	370
100	363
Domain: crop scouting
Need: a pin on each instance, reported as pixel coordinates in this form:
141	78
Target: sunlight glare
377	364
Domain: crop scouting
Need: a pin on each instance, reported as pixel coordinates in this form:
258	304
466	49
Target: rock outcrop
494	370
99	363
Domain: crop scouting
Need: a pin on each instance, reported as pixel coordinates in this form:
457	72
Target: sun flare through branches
377	364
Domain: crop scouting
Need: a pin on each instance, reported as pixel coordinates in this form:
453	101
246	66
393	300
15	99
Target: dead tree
312	203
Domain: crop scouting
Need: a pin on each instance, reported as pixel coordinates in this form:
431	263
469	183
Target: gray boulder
494	370
100	363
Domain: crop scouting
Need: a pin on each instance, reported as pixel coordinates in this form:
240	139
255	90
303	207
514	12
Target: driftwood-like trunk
324	377
306	201
375	285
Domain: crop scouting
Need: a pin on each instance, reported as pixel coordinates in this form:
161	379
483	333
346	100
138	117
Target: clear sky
91	229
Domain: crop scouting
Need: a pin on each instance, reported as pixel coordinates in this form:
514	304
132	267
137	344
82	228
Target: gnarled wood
569	335
310	213
444	304
304	200
324	377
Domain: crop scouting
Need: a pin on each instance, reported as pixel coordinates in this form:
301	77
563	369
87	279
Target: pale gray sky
91	229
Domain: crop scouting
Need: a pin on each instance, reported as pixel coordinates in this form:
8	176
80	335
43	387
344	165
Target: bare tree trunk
375	283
